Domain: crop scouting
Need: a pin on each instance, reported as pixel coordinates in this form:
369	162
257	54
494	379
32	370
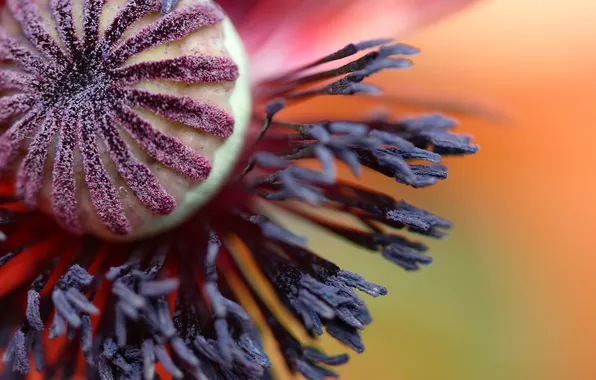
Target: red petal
284	34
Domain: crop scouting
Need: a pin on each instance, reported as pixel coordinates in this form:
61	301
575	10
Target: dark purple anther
168	6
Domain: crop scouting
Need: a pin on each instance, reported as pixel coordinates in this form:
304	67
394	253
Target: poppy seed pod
124	117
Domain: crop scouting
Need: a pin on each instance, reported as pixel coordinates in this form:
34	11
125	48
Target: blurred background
511	292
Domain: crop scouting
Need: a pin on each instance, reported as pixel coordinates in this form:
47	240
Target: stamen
67	306
345	52
33	314
167	6
289	84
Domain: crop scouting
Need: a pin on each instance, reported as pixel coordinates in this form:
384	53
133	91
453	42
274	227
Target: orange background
511	292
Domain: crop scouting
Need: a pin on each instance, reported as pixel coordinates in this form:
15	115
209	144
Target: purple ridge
25	11
188	69
185	110
136	174
11	50
79	70
30	174
14	105
165	149
11	140
169	28
64	197
103	192
91	14
13	80
62	11
133	11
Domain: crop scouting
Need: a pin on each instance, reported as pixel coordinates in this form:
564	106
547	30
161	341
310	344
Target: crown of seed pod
125	116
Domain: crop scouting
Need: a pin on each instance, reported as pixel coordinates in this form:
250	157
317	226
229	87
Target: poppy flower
142	170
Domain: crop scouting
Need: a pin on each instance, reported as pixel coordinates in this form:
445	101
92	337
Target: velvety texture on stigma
110	111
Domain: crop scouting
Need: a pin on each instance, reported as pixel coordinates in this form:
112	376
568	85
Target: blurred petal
289	33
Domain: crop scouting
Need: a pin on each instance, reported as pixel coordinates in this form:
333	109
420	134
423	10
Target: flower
176	293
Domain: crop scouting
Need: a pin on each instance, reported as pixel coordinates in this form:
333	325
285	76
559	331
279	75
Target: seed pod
119	122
